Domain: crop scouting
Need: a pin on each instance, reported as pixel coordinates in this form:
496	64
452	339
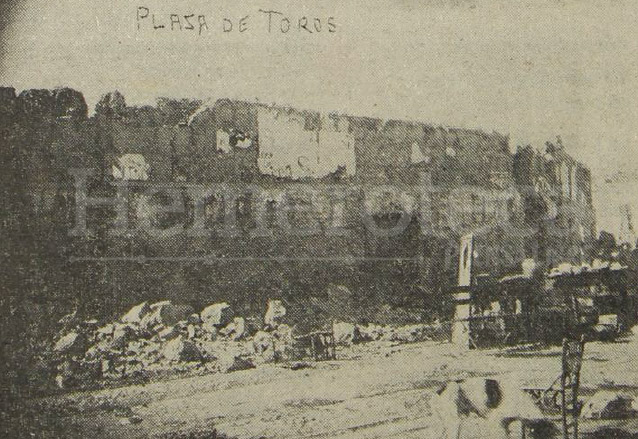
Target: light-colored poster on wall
289	148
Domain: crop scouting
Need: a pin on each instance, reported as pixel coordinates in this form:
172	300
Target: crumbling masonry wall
190	142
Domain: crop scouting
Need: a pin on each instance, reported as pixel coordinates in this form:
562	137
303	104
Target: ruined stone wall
468	173
556	190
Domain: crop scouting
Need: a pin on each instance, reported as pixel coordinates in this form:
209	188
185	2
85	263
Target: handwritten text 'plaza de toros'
263	20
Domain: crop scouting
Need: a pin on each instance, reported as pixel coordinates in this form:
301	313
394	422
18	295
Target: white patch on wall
288	149
244	143
223	141
528	266
417	155
585	301
131	167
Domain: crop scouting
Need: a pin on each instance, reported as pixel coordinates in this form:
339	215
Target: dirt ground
374	390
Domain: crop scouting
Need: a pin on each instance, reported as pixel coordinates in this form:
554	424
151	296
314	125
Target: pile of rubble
160	338
348	333
164	339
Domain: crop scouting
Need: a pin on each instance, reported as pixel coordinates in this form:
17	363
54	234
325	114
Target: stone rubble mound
163	339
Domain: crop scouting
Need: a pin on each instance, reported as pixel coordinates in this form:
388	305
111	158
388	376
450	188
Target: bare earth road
375	391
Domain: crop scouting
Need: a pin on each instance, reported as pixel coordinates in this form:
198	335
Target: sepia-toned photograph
295	219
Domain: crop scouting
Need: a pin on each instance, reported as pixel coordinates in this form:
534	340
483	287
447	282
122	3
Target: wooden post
461	335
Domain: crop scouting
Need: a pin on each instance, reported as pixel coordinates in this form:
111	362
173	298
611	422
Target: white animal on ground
483	408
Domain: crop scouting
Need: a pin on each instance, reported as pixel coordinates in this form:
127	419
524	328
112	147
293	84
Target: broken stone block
283	333
218	314
253	324
66	373
181	325
160	304
92	353
263	342
209	350
609	404
135	314
372	332
168	333
122	335
164	314
346	333
73	373
229	361
134	348
209	331
194	319
105	331
88	327
284	341
152	350
181	350
192	331
410	333
106	366
134	419
72	343
131	167
244	143
234	330
275	313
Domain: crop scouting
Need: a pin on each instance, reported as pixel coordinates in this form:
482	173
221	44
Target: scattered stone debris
164	314
181	350
230	361
218	314
136	313
122	335
235	329
73	342
346	333
372	332
163	338
134	419
298	365
275	313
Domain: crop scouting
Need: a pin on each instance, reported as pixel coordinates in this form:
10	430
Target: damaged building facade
558	203
452	182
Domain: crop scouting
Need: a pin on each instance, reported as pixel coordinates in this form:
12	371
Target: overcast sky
531	69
